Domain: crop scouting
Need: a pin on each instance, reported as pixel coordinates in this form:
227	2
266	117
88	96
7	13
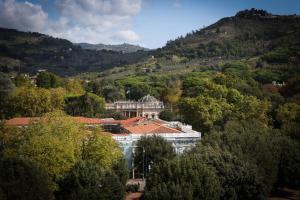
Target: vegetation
27	52
72	160
22	179
151	150
236	81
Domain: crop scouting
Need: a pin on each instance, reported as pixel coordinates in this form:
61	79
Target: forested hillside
27	52
249	33
126	48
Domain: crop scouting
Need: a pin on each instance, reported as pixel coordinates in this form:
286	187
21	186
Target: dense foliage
22	179
65	152
28	52
150	150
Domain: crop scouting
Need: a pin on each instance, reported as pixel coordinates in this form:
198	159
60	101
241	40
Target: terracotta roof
23	121
86	120
132	121
20	121
134	196
150	129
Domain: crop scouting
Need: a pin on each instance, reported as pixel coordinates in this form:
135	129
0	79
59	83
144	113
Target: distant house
147	106
41	70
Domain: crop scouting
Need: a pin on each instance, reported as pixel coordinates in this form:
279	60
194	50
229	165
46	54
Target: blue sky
150	23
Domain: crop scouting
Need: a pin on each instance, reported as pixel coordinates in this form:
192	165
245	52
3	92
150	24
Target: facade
147	106
181	136
127	132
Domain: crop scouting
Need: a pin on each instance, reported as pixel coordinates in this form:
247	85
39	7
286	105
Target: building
127	132
181	136
147	106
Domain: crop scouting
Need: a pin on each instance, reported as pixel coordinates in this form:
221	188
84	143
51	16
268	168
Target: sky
149	23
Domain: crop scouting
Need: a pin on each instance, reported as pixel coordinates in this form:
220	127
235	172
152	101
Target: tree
48	80
88	181
289	112
182	178
53	142
112	93
250	141
89	105
94	87
6	87
238	179
203	112
287	151
135	92
151	151
101	149
31	102
173	93
74	87
22	80
22	179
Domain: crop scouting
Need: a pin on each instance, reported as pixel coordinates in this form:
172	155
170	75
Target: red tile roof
132	121
20	121
150	129
24	121
86	120
135	125
134	196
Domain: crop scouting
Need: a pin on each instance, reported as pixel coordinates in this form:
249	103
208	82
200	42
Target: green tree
173	93
101	149
289	112
89	105
53	142
112	93
287	151
182	178
250	141
88	181
22	179
22	80
74	87
31	102
150	151
203	112
238	179
6	88
48	80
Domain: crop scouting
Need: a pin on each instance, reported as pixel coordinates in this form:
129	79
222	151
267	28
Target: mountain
249	33
28	52
125	48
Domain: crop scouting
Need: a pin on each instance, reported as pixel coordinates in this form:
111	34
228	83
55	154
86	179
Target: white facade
147	106
180	141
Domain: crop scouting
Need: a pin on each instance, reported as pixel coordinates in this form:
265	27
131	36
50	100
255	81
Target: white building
147	106
182	137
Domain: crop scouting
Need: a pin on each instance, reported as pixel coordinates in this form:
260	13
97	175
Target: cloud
129	35
93	21
24	16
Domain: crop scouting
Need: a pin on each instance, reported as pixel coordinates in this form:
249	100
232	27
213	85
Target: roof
132	121
134	196
24	121
19	121
148	98
152	128
86	120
